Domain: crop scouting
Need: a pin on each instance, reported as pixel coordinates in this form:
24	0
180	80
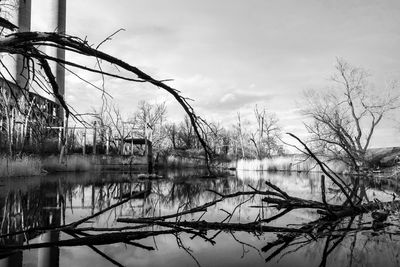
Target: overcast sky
229	55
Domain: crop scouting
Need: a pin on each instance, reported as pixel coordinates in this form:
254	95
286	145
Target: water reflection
45	202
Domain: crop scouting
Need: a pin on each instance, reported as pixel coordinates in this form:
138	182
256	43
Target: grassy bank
34	165
175	161
24	166
71	163
292	163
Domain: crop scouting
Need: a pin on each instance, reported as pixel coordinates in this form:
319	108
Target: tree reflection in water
207	222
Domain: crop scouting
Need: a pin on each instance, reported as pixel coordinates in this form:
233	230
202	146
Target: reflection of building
43	207
12	259
51	217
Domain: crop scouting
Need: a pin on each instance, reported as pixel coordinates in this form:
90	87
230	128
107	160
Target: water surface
55	200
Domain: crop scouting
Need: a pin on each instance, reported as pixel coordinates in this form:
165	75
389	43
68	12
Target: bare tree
5	108
186	135
149	119
215	137
111	126
15	115
171	130
345	118
265	138
117	127
239	134
104	121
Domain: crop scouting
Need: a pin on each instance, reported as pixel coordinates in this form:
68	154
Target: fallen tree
25	44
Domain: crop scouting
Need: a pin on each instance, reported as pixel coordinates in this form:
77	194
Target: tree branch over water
25	43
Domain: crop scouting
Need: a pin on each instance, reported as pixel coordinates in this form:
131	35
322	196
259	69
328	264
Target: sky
230	55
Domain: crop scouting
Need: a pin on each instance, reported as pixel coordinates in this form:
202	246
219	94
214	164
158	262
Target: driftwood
100	239
254	227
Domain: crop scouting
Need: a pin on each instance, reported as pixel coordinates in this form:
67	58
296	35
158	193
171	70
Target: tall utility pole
53	16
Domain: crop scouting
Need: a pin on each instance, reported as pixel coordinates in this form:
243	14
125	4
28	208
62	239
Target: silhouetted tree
344	119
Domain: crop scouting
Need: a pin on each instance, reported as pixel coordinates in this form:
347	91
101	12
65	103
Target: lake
54	200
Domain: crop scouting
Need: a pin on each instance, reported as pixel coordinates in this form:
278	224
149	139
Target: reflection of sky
167	196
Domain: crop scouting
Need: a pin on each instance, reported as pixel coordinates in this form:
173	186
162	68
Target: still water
55	200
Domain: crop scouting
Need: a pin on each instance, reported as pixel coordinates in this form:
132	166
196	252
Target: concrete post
84	143
131	142
61	28
94	137
108	136
123	139
59	138
149	149
53	19
49	256
24	24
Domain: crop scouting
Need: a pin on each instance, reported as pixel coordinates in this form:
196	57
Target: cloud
236	100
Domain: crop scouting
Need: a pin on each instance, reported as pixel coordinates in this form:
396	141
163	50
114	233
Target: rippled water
64	198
